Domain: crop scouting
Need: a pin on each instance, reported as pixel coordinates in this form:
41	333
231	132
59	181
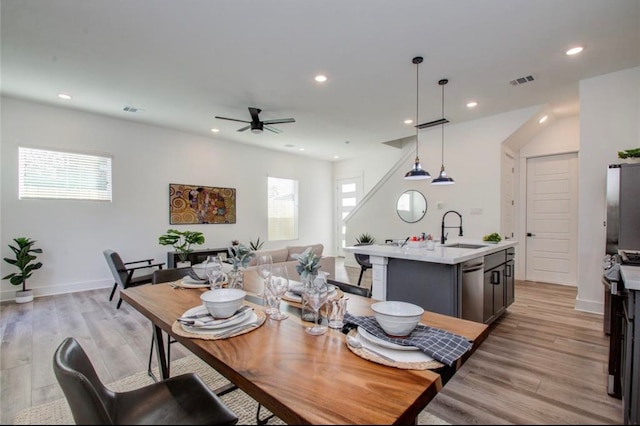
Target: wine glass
213	269
264	262
277	285
316	295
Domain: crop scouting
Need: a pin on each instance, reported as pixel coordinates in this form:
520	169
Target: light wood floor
543	363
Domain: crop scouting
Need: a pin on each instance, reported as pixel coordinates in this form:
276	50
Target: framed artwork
201	204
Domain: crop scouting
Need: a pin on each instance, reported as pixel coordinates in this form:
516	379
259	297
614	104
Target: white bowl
397	318
200	271
223	302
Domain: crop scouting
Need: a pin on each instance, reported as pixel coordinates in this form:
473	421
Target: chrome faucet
443	237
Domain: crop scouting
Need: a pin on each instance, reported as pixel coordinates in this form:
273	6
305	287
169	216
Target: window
63	175
282	209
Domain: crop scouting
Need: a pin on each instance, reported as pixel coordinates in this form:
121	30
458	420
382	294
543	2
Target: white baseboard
589	306
10	294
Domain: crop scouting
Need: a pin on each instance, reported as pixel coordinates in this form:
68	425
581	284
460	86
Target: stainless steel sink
467	246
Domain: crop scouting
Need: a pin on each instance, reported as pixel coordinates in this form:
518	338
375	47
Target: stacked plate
188	282
396	352
216	326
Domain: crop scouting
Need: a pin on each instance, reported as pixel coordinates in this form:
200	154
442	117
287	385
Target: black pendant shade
417	172
442	178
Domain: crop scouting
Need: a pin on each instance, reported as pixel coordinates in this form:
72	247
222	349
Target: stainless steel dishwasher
473	289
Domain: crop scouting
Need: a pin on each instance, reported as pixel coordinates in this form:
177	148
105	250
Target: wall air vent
521	80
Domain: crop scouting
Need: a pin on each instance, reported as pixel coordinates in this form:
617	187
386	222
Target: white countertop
441	254
630	276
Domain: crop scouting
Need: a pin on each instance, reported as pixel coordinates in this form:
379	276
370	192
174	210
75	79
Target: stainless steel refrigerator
623	208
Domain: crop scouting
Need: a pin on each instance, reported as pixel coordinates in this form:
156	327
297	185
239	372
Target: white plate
289	295
216	324
395	354
188	280
379	342
245	318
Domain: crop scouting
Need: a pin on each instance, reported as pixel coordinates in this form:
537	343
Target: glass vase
236	279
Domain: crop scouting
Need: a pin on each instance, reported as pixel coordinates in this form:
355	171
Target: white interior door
348	195
552	219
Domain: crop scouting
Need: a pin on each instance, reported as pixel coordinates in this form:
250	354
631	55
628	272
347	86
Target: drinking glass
316	294
213	269
277	285
264	263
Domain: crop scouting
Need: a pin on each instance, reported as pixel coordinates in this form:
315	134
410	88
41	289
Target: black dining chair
180	400
163	276
123	272
364	262
350	288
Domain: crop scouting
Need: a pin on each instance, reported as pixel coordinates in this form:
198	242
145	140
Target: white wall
609	122
472	159
146	160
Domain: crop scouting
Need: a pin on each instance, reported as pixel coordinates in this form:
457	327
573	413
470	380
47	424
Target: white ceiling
182	62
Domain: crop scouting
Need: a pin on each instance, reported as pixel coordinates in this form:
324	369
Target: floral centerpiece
308	263
239	256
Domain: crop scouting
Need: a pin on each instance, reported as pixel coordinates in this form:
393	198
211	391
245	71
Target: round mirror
411	206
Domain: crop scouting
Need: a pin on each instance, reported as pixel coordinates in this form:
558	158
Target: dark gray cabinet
510	277
195	257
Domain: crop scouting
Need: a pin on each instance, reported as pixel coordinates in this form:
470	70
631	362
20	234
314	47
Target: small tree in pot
181	241
23	261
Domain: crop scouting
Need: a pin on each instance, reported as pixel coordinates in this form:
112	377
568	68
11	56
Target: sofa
253	282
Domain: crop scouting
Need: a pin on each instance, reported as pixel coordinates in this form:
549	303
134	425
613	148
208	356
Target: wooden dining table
301	378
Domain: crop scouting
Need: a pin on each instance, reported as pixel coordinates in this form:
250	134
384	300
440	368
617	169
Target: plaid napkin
441	345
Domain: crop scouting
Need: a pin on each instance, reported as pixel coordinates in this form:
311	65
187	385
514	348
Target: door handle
495	277
529	234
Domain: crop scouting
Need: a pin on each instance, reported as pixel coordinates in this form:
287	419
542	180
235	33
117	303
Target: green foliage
240	255
257	245
181	241
24	256
629	153
308	262
494	238
365	238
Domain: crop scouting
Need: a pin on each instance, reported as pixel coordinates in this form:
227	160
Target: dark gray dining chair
180	400
123	272
364	262
163	276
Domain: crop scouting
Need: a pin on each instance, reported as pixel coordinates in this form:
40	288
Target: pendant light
417	172
443	179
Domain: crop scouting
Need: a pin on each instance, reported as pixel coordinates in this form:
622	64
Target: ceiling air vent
130	109
521	80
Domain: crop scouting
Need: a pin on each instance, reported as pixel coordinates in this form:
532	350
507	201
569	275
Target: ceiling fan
256	125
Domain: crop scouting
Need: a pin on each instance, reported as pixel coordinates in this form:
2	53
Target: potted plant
365	239
24	256
631	155
181	242
239	256
256	245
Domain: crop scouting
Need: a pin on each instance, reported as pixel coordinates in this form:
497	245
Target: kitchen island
473	281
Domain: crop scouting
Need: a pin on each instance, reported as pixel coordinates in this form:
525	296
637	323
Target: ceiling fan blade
245	128
272	129
280	121
233	119
254	113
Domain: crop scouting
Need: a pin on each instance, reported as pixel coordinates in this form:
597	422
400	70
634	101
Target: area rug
58	413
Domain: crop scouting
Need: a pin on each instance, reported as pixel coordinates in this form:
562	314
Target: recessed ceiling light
409	121
321	78
64	96
574	50
543	119
301	149
215	130
336	156
472	104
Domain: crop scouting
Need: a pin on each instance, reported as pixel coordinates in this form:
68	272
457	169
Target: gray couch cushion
277	256
317	249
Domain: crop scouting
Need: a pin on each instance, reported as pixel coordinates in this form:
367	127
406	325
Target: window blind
63	175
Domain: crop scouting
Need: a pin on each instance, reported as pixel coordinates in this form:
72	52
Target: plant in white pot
24	256
181	242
